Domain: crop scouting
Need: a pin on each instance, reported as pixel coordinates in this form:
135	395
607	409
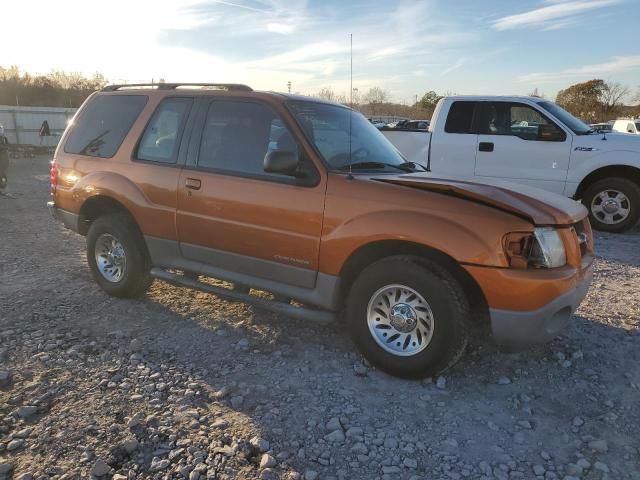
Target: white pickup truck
532	141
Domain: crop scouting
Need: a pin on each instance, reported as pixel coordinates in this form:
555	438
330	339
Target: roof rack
174	86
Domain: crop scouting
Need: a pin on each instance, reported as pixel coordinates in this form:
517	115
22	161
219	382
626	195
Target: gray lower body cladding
307	286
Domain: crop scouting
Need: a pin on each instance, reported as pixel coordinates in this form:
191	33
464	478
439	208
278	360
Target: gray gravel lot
180	384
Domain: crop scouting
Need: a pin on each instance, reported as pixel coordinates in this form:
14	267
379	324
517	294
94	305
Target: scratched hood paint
538	206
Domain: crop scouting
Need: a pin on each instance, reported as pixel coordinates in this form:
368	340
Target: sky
405	47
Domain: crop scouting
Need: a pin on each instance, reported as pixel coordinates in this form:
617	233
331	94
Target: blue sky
406	47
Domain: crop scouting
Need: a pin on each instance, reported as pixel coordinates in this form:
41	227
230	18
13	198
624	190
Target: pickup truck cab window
161	137
518	120
460	118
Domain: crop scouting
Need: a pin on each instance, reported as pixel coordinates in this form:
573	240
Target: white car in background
627	125
532	141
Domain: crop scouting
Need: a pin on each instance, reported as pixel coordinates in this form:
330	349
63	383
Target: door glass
518	120
237	136
460	117
161	138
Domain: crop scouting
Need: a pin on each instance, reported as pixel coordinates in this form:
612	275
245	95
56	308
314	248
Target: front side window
460	118
343	136
103	123
237	136
161	138
518	120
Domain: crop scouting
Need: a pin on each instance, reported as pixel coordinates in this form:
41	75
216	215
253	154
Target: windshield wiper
411	166
405	166
366	165
588	132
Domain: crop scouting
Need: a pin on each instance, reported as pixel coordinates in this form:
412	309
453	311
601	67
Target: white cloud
551	16
282	28
615	65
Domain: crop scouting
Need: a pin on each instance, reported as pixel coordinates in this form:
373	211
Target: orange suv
306	200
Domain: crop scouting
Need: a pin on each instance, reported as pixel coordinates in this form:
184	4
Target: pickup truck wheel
613	203
408	317
117	256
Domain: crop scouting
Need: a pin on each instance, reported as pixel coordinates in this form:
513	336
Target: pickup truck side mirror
551	133
283	162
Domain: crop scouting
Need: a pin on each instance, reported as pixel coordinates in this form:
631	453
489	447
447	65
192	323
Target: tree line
591	101
55	89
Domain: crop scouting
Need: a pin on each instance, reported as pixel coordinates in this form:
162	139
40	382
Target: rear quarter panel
148	191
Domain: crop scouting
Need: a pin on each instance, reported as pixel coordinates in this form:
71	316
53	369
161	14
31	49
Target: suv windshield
578	127
327	127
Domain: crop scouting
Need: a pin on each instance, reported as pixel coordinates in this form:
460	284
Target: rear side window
460	118
161	138
103	124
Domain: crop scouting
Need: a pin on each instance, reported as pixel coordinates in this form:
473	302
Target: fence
22	124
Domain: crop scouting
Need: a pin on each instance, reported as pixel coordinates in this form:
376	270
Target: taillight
54	177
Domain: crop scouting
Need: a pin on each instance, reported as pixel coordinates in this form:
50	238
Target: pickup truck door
517	142
454	142
234	216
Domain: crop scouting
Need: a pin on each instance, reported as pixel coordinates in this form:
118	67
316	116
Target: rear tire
613	204
117	256
408	316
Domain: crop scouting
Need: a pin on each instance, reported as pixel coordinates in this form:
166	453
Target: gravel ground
180	384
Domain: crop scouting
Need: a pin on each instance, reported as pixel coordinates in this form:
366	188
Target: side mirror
550	133
283	162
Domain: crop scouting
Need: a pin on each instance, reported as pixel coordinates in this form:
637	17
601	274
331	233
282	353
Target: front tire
408	316
118	257
613	204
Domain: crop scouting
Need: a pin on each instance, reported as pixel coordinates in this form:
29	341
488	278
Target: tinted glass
103	124
238	135
460	117
341	135
161	138
565	117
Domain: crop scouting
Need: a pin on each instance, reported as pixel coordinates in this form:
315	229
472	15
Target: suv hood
538	206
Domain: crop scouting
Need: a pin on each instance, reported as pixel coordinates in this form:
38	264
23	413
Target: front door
235	216
517	142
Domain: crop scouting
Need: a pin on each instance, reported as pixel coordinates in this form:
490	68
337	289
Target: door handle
485	147
193	183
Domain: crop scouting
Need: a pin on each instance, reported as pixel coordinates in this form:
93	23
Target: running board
302	313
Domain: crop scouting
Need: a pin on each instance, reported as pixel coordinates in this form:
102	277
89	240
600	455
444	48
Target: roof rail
174	86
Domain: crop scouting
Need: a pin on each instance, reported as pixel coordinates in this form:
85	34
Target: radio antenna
350	175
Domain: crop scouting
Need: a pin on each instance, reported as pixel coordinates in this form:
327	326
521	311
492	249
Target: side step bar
286	309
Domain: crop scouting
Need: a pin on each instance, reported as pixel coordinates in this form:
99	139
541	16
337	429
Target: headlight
543	249
548	249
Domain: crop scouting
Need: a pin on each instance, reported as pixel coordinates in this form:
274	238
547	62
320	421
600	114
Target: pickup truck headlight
542	249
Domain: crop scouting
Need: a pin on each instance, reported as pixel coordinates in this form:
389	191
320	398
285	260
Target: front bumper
511	327
70	220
